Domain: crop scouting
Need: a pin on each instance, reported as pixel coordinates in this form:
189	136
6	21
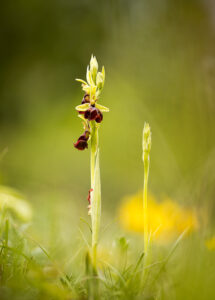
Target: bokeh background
159	58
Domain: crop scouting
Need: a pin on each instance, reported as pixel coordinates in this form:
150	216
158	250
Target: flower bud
146	141
93	67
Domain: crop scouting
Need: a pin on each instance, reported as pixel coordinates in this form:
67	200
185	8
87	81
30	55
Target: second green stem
145	206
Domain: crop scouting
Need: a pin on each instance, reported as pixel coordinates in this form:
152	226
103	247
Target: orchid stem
95	202
94	149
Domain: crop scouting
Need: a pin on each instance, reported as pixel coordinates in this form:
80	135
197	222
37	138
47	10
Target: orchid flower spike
89	110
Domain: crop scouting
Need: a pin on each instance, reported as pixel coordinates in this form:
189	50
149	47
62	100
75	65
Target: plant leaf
96	202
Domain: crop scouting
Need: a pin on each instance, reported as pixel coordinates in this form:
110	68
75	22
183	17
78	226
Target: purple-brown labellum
81	143
99	117
93	113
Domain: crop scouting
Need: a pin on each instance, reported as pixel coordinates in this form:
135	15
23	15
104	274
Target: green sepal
83	107
102	108
81	80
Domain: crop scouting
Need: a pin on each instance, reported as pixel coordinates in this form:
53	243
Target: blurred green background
159	58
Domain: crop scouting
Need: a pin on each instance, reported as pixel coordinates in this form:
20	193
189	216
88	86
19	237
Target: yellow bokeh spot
166	219
210	243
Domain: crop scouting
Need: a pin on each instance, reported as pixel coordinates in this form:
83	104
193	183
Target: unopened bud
93	67
146	141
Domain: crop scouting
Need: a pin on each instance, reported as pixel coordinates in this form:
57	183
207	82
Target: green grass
30	271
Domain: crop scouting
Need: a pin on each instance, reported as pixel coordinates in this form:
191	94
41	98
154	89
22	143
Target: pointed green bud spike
146	141
83	107
102	108
93	67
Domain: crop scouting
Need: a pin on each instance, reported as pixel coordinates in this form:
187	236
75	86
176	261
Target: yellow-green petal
82	107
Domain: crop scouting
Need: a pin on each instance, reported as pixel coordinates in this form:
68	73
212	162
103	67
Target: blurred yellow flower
210	243
167	219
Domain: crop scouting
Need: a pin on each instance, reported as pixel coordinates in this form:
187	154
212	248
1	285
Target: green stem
146	224
95	204
145	206
94	151
146	153
94	146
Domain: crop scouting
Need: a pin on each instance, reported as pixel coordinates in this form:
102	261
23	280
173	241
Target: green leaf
96	202
82	107
102	108
172	250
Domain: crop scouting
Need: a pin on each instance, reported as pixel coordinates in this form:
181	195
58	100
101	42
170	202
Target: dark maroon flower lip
93	113
81	143
99	117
